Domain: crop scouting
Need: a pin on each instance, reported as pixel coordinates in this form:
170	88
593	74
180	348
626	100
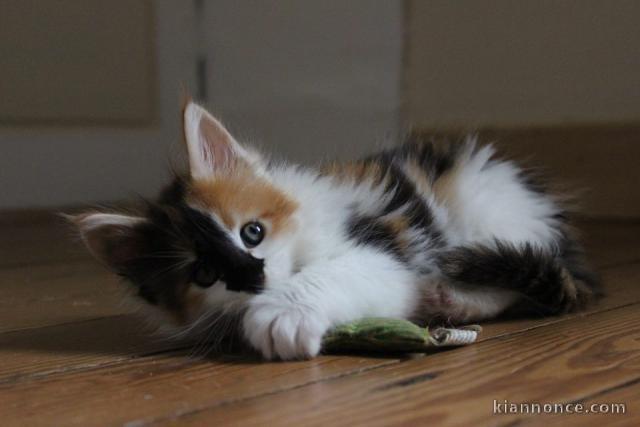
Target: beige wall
306	79
59	163
77	62
521	63
554	82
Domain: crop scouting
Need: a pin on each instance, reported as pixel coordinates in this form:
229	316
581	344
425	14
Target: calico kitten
420	231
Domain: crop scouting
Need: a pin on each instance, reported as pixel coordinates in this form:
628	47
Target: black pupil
205	275
252	234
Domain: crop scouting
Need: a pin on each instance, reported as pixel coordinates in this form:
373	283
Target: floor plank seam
18	379
31	264
621	386
583	399
55	325
555	321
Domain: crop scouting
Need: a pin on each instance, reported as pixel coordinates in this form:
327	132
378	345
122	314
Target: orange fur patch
444	188
241	195
398	224
417	176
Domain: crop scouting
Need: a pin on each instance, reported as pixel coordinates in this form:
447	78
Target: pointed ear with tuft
113	239
211	147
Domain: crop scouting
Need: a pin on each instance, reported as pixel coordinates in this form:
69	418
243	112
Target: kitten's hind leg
455	303
545	282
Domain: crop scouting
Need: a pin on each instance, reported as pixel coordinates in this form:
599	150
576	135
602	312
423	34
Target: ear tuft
111	238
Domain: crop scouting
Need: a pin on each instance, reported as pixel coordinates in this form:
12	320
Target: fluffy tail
549	282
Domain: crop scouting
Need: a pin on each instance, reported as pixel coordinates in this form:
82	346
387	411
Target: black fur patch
239	269
548	282
167	247
372	231
435	157
434	160
573	258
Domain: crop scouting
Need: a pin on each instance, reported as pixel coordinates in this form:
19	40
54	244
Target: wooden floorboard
73	354
620	409
627	394
145	389
549	364
33	353
50	294
48	240
610	243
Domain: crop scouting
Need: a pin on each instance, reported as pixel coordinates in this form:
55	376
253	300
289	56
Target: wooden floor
72	354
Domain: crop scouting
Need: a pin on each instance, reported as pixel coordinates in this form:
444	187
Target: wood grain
145	389
73	355
32	353
561	362
104	369
49	294
627	394
47	238
610	243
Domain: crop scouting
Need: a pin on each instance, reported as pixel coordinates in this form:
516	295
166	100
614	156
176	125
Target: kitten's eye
205	275
252	234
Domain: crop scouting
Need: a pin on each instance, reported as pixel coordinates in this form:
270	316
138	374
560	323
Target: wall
520	63
555	83
55	165
306	79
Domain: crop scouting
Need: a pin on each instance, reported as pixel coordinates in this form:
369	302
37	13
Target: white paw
279	328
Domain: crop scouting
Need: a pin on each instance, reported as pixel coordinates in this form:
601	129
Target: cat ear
211	147
113	239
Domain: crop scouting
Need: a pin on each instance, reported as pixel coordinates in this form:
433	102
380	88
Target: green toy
388	335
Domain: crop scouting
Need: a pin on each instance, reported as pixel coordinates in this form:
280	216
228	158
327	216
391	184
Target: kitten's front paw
282	330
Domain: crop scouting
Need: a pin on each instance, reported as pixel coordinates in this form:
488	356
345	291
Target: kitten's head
212	238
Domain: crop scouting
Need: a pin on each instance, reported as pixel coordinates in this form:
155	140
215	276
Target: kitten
420	231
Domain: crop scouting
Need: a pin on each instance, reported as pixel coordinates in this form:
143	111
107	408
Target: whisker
201	344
